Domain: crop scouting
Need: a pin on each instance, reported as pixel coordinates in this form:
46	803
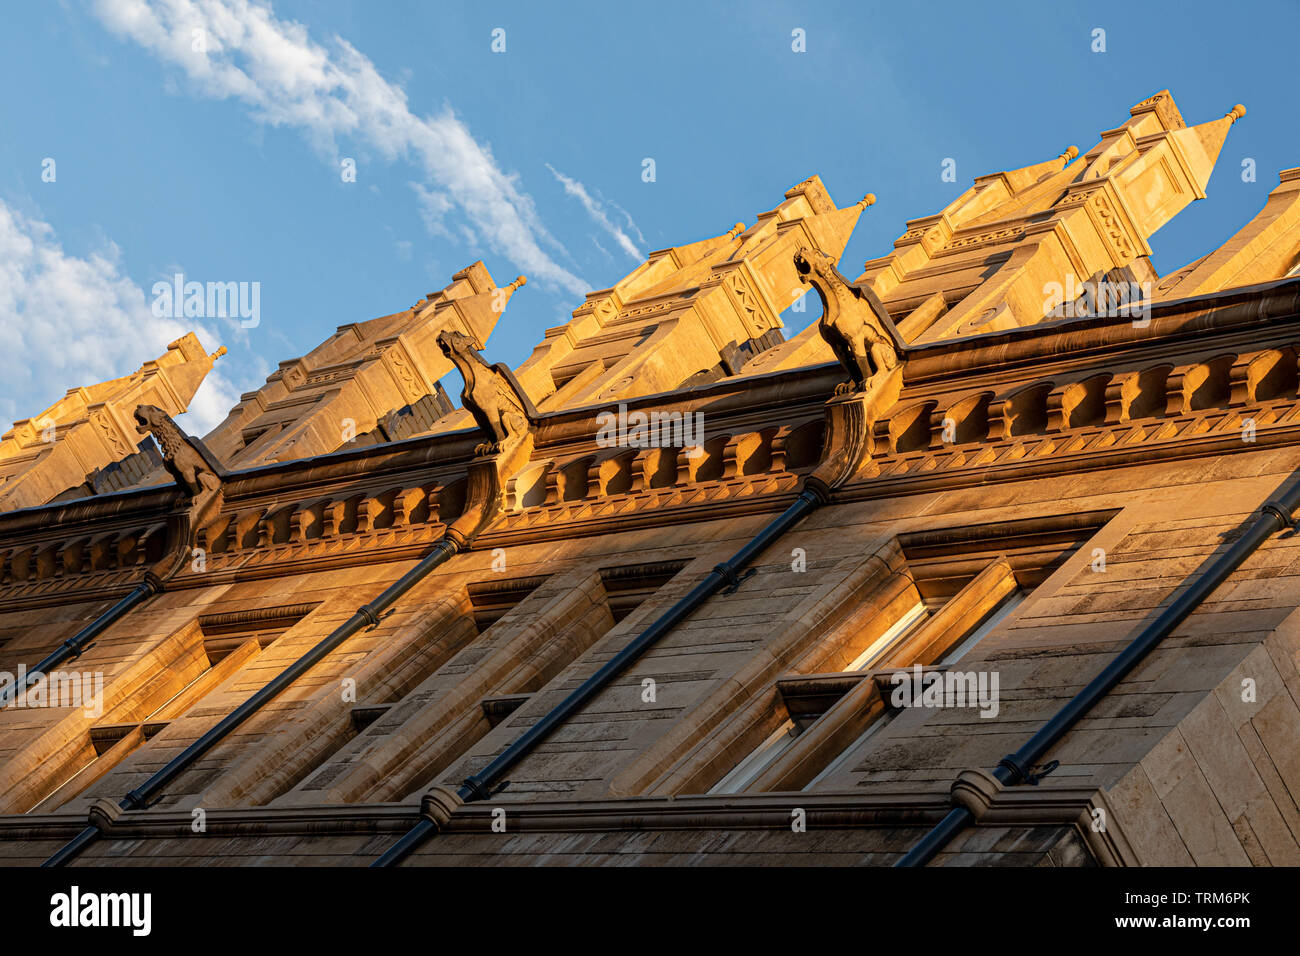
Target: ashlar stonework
983	481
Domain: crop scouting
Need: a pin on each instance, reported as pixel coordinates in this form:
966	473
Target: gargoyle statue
854	322
491	395
187	461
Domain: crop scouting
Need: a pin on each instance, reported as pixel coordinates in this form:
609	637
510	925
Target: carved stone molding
850	422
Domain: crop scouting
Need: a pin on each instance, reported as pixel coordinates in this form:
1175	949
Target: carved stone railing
1088	396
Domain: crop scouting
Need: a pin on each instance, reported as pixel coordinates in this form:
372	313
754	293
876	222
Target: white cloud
67	321
286	79
597	212
630	224
433	207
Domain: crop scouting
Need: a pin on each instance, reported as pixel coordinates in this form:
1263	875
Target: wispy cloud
236	49
630	223
597	212
67	321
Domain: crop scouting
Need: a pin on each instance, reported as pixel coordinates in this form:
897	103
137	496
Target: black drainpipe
74	645
479	785
154	582
1274	515
366	615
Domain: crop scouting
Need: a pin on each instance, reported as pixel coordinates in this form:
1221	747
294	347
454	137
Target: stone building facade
360	622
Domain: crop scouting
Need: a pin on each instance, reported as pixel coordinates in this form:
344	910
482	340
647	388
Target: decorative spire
736	230
519	283
218	353
1201	145
868	200
1070	153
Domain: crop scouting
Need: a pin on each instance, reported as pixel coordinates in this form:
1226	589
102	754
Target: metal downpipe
366	616
1272	516
479	785
74	645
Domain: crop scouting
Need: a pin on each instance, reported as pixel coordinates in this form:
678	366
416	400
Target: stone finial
519	283
736	230
1070	153
1236	113
868	200
218	353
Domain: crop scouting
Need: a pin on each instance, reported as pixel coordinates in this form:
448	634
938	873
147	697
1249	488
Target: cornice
388	502
1044	806
1222	317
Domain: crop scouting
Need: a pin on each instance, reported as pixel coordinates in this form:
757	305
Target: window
229	641
966	582
843	756
748	769
493	600
946	628
905	625
523	611
955	652
804	711
959	650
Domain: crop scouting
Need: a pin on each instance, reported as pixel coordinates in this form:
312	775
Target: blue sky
225	164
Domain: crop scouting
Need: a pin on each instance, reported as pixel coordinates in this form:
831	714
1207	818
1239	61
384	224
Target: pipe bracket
1022	774
1273	508
1041	771
733	579
476	789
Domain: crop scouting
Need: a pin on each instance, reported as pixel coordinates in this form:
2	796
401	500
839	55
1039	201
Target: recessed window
804	712
804	705
493	600
959	650
872	729
230	641
748	769
955	653
913	618
963	582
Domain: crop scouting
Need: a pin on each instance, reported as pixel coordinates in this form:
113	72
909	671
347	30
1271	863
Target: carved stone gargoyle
503	410
856	326
491	394
854	322
195	469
